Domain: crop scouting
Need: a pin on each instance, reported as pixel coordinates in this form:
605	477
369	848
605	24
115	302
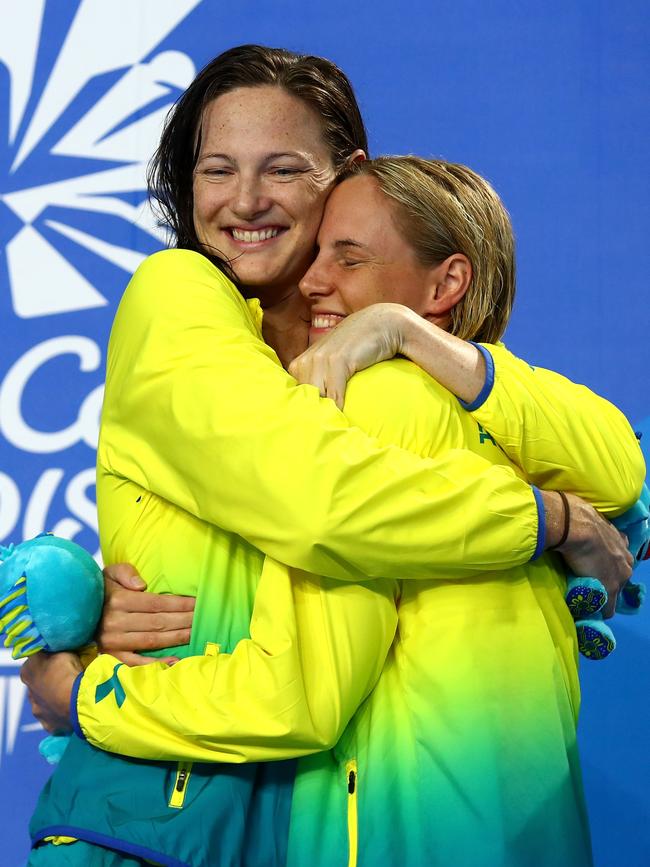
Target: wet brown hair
316	81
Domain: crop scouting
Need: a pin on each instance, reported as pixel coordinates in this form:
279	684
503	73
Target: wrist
464	368
554	513
565	524
404	328
72	706
480	376
420	340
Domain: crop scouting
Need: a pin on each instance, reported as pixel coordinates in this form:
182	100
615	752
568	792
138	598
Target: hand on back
134	620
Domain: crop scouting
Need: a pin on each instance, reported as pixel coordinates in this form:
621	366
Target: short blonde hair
444	208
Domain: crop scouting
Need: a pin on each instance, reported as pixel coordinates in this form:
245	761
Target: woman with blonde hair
465	752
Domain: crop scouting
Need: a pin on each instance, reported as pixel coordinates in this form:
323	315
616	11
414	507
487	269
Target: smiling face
363	259
260	183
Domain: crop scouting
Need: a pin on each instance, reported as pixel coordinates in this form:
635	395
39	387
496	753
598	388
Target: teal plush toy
586	597
51	598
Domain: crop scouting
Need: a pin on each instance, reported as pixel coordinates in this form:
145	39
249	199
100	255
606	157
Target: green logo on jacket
484	435
111	685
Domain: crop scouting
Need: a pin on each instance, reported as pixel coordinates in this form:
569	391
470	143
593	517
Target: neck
285	326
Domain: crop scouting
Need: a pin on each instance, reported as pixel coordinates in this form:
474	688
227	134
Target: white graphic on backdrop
80	128
119	130
12	700
81	125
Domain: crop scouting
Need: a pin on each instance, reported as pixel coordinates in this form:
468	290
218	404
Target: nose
249	199
316	282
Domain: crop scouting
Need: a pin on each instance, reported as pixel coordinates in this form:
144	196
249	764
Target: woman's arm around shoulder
562	435
199	411
315	652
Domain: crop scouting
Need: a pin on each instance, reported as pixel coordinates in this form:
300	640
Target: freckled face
362	259
260	184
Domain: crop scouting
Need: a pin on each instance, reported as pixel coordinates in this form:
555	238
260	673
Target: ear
450	280
358	156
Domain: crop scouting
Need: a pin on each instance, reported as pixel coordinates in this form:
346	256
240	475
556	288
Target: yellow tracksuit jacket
210	451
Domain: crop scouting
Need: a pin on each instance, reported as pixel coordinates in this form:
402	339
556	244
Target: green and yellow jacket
215	470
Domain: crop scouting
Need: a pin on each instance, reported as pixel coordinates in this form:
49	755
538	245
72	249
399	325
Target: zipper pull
352	780
181	785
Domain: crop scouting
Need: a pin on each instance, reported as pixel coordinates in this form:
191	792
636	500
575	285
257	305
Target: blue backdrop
549	101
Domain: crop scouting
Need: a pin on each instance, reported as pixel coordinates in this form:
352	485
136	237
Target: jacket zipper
352	778
183	774
184	770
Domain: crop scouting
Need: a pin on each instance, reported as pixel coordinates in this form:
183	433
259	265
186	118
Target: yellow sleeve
199	411
562	435
316	650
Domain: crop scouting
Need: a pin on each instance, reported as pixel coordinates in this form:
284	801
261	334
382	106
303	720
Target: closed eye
285	171
214	172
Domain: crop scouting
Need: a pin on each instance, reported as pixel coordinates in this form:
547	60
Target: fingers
37	710
119	643
596	548
117	624
150	603
338	399
358	341
610	608
144	621
620	573
26	669
628	554
133	659
39	714
302	368
49	678
125	575
329	374
297	366
335	384
308	369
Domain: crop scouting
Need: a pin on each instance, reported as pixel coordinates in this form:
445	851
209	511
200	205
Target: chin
250	274
251	281
316	334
